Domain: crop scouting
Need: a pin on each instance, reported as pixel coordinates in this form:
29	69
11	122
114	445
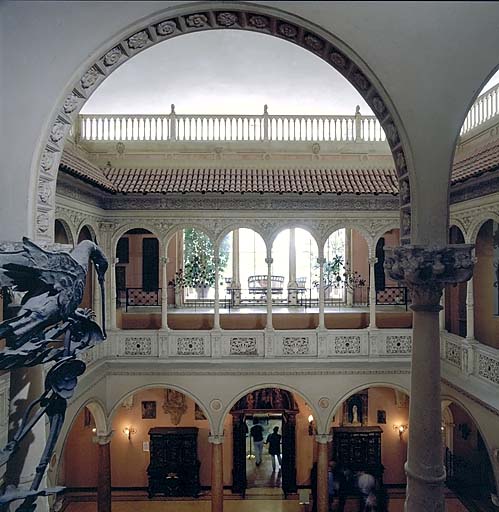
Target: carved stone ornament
112	56
391	134
138	40
426	270
166	28
71	103
216	404
226	19
196	20
361	81
44	192
378	105
324	402
42	222
401	163
288	30
89	78
404	191
57	132
47	161
258	21
338	60
313	42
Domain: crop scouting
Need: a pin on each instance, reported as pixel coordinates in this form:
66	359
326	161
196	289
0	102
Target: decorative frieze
453	353
243	346
398	344
295	345
191	346
346	345
137	346
488	368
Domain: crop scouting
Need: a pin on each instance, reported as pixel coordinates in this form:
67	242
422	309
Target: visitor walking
274	442
256	433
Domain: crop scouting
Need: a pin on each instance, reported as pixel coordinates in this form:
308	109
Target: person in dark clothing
256	433
274	442
313	485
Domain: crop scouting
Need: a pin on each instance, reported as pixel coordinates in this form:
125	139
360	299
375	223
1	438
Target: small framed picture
148	410
381	416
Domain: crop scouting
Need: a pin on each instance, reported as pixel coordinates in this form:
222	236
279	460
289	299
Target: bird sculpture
54	283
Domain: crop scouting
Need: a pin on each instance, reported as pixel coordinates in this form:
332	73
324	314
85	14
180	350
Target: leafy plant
337	274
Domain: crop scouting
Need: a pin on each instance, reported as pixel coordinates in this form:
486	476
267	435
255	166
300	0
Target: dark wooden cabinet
359	448
174	466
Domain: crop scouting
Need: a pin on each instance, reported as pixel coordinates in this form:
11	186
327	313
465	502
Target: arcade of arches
261	267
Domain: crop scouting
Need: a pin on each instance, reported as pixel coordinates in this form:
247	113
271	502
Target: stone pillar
112	301
96	299
217	473
236	278
470	312
321	261
441	315
268	261
164	293
322	465
292	285
372	293
426	271
349	263
216	316
104	472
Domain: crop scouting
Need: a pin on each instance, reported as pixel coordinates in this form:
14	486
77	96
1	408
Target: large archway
190	19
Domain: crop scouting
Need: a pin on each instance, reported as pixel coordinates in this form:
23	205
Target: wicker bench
258	284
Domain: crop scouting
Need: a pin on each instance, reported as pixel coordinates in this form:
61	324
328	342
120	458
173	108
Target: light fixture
94	430
129	432
400	429
311	426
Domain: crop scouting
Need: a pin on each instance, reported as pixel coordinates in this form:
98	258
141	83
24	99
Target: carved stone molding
193	18
217	439
103	438
425	270
323	438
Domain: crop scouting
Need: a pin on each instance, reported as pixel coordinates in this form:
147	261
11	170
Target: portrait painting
148	410
381	416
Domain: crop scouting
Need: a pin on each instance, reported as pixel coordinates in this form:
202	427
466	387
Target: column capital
269	261
323	438
164	260
103	438
115	261
321	261
426	270
216	439
372	260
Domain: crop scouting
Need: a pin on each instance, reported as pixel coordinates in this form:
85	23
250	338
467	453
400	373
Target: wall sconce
311	425
400	429
129	432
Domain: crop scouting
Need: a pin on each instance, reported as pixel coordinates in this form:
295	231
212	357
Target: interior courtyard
299	206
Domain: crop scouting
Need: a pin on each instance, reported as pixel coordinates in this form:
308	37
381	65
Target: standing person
367	487
331	487
274	442
256	433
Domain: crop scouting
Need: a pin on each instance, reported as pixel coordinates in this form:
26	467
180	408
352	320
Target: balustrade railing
229	127
485	107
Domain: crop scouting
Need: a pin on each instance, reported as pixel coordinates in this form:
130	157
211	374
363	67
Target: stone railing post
426	271
358	124
104	472
217	473
173	124
266	123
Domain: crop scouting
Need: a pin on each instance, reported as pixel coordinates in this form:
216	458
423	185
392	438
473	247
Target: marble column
292	285
470	311
104	472
112	301
268	261
97	299
349	263
216	312
236	278
372	293
425	272
322	466
441	315
164	293
321	261
217	473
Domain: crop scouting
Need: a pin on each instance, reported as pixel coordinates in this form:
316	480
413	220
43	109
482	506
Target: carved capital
321	261
103	438
426	270
164	260
373	261
218	439
269	261
323	438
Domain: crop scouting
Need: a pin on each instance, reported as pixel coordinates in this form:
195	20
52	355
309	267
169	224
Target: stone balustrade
228	127
484	108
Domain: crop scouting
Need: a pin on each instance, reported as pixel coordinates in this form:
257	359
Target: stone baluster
104	472
97	299
217	473
358	124
292	285
164	293
236	278
322	441
425	272
372	293
269	261
266	123
216	316
321	262
470	311
173	123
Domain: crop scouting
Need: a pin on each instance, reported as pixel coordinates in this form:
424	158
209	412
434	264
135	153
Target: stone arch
459	225
255	387
176	21
91	228
477	225
299	225
165	385
68	230
351	225
366	385
240	224
187	225
122	230
381	232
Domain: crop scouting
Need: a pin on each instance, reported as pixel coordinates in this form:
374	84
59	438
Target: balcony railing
485	107
228	127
